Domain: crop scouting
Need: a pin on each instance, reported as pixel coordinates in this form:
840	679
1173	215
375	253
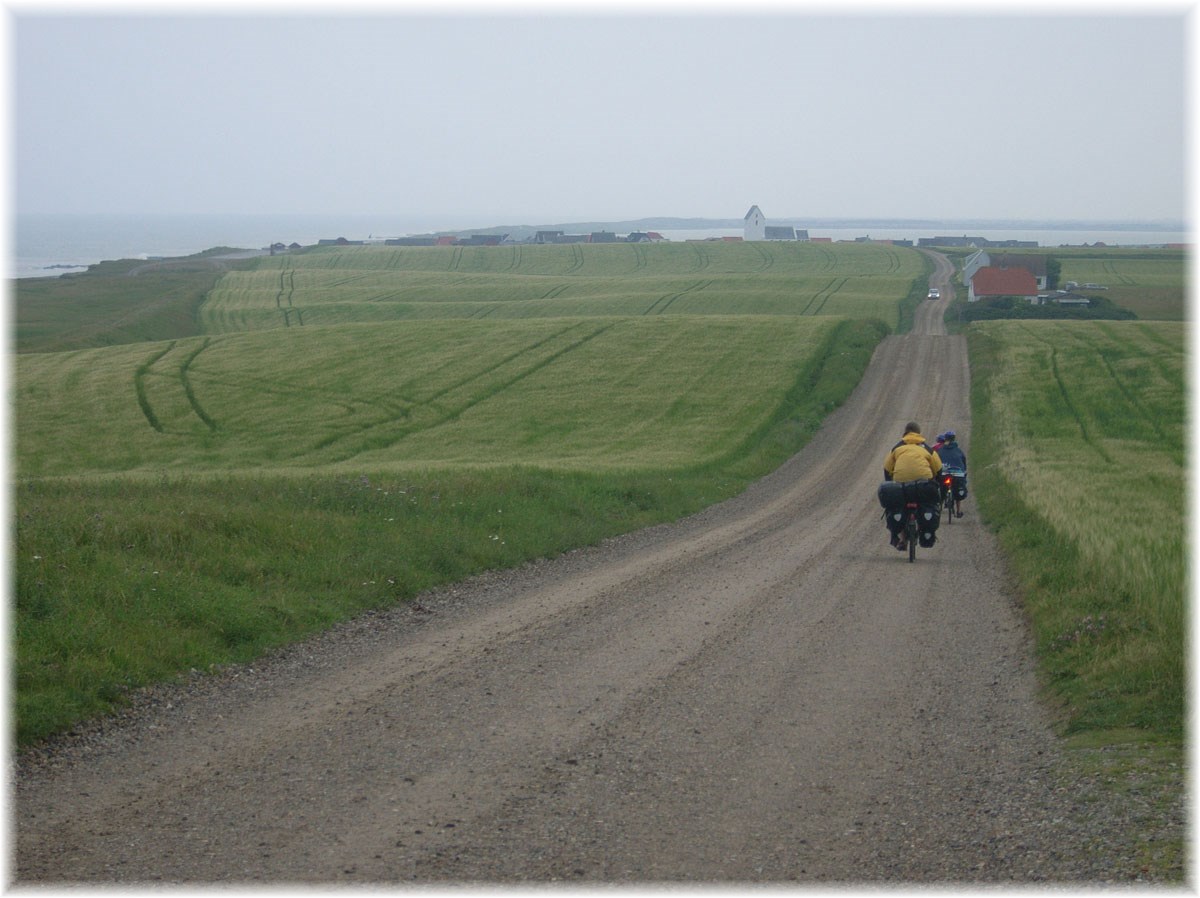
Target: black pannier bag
891	495
926	493
896	495
960	487
929	496
923	492
928	518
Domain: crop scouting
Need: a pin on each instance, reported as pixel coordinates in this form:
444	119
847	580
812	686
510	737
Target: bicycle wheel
910	530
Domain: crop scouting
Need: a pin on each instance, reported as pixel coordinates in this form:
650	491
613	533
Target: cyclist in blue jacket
954	460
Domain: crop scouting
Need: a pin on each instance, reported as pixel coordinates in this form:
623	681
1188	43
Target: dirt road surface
765	692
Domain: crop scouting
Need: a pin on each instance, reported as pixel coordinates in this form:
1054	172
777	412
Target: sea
48	245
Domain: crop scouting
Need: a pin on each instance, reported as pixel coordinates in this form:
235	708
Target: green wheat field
1083	431
208	465
1150	282
376	284
211	464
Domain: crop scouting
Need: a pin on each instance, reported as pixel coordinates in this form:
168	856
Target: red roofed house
989	282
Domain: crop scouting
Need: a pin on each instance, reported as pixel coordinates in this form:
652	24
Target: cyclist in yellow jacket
910	459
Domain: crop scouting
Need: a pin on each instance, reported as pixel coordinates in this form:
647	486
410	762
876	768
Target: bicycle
953	484
947	482
903	504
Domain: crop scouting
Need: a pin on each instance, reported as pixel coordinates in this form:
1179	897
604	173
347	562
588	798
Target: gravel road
763	693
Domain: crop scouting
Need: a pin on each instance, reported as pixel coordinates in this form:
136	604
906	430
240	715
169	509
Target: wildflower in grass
1085	628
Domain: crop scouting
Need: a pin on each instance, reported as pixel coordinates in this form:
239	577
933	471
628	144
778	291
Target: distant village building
755	227
557	237
965	241
954	241
411	241
560	237
482	240
884	241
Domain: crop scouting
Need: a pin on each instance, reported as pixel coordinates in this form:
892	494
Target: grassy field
107	309
588	393
123	580
375	284
1080	461
196	494
1151	283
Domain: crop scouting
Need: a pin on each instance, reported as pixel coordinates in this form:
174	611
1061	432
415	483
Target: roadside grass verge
126	581
1078	465
1079	462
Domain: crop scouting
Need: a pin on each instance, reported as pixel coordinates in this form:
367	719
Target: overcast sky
519	116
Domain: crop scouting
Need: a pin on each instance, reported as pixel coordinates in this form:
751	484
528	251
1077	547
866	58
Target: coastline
50	245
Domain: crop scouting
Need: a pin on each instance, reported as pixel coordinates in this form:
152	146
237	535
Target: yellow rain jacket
910	460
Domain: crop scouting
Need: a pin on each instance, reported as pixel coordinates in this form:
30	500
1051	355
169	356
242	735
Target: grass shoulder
1094	541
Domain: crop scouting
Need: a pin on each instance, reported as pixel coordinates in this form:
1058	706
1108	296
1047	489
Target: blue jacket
952	456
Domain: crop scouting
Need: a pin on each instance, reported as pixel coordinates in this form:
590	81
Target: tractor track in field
762	693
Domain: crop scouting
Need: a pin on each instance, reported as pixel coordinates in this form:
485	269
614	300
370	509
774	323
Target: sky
531	114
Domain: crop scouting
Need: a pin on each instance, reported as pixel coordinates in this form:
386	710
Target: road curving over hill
764	692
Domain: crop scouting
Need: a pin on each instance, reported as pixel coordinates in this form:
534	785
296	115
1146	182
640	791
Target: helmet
940	437
949	435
